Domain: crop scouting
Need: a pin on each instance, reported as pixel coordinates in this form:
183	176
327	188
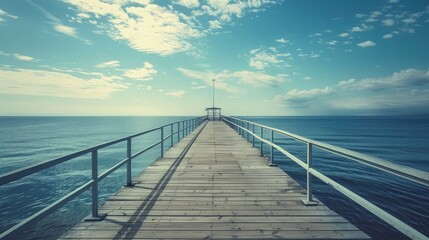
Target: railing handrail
183	128
25	171
399	170
416	175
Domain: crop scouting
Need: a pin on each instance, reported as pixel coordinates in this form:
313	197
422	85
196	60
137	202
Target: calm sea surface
25	141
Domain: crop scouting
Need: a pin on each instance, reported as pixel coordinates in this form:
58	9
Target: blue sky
143	57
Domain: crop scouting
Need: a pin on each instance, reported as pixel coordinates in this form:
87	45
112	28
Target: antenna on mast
213	92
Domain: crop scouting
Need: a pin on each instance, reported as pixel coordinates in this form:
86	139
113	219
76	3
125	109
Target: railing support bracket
309	203
100	217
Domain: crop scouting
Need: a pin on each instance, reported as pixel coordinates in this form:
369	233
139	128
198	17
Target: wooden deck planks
221	189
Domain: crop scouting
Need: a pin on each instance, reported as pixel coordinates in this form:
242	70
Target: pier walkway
214	185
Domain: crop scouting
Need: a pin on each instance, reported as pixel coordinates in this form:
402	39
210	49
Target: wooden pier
214	185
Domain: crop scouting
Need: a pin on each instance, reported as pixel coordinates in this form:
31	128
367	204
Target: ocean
25	141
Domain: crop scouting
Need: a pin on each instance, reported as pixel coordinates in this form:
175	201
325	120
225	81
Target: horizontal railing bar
280	149
112	169
399	170
20	173
385	216
292	135
145	150
9	234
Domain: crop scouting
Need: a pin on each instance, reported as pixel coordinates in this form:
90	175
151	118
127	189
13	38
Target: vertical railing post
94	163
171	135
262	143
162	142
178	132
309	200
247	133
95	184
271	149
253	136
129	181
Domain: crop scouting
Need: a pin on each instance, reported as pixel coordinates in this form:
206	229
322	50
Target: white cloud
207	76
332	43
344	34
388	22
261	59
83	15
222	78
188	3
367	44
409	20
403	92
256	78
175	93
361	28
56	84
307	78
297	98
113	63
408	79
162	30
149	28
198	87
388	36
7	15
215	24
282	40
393	1
65	30
145	73
23	57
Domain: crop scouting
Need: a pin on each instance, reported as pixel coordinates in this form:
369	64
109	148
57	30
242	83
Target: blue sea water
25	141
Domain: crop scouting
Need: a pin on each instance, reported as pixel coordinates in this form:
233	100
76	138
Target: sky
268	57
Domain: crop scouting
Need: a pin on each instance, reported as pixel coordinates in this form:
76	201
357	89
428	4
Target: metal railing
247	130
183	128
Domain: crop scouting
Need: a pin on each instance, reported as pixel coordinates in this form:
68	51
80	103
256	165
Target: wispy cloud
271	57
254	79
403	92
366	44
144	73
4	15
388	36
404	79
57	84
58	26
23	57
297	98
388	22
207	76
65	30
112	63
282	40
361	28
175	93
188	3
